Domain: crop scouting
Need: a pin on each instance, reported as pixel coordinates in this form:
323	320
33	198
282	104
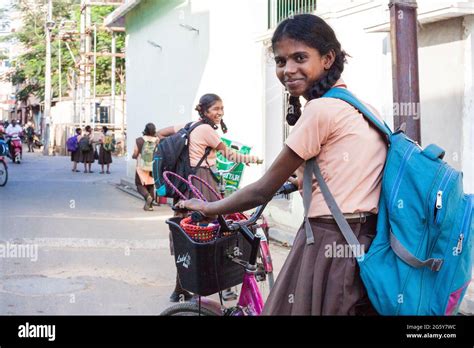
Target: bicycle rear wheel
187	309
3	173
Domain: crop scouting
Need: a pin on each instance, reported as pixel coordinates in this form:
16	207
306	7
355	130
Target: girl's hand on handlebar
195	205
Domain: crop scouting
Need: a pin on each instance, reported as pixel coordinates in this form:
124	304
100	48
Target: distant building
8	50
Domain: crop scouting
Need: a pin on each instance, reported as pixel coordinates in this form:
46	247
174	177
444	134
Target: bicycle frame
250	297
250	300
264	245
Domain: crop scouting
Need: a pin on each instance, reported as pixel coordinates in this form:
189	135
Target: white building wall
164	85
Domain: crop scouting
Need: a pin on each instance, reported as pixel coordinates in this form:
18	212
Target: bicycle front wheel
187	309
3	173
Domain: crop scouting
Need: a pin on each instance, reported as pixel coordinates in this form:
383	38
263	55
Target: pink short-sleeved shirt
202	137
350	152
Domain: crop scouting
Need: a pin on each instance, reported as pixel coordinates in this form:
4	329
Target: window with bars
279	10
286	105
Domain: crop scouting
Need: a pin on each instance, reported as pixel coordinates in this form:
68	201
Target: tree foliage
29	67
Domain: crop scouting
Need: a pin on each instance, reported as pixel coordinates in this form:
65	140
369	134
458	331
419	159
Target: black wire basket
206	268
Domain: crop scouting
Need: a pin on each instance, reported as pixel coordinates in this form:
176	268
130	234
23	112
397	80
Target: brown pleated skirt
105	157
76	156
206	175
87	157
322	278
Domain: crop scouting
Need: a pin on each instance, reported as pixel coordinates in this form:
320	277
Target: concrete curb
128	186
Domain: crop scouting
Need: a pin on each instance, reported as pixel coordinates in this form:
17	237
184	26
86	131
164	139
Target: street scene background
98	251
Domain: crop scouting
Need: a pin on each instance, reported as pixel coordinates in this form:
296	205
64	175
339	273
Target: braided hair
316	33
205	103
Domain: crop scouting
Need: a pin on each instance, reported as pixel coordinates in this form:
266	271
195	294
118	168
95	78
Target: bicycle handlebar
196	216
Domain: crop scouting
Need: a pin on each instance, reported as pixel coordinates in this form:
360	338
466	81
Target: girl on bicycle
351	154
204	142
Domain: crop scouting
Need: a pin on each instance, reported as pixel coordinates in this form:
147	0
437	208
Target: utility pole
112	89
406	91
47	89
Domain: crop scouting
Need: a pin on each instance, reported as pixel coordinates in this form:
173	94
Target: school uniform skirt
105	157
87	157
76	156
206	175
322	278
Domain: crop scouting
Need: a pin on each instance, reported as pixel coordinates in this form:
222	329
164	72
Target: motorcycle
16	148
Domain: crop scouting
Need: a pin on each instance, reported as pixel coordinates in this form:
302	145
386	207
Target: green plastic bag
234	177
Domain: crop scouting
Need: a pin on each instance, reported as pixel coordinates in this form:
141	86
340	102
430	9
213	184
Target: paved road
98	252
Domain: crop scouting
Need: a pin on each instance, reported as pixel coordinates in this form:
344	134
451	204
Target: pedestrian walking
30	134
351	154
106	147
143	153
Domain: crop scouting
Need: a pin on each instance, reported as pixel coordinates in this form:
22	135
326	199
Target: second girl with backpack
205	136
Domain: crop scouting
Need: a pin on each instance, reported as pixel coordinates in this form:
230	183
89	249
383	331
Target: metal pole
82	64
406	92
112	91
87	68
60	72
47	89
95	70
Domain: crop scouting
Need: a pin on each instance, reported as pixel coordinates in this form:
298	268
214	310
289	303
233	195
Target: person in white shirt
14	129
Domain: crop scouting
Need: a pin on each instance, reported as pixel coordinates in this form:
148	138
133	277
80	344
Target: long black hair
150	129
205	103
316	33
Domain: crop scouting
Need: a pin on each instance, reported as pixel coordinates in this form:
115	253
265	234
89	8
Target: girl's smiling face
215	112
299	66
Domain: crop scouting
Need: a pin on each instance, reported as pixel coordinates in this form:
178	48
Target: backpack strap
312	167
348	97
190	126
189	129
206	153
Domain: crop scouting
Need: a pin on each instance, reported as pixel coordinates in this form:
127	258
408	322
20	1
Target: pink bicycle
210	267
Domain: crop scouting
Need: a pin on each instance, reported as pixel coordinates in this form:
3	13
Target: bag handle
434	152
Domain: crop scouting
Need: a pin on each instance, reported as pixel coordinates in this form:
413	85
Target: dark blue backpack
172	154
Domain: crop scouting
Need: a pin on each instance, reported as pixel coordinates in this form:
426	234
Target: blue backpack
419	262
72	144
